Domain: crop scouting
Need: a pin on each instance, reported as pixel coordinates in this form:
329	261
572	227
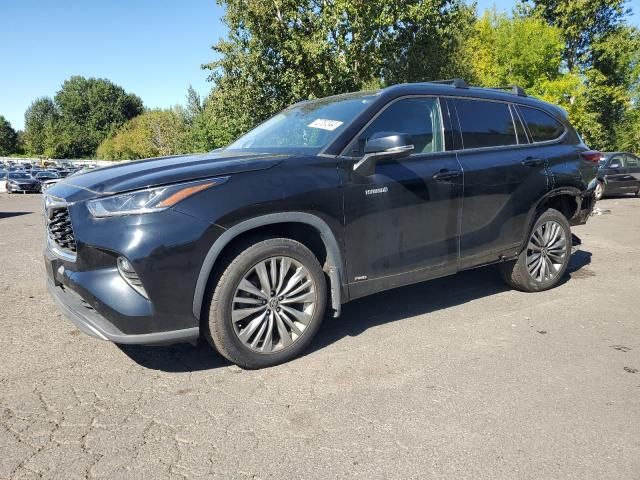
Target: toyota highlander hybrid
328	201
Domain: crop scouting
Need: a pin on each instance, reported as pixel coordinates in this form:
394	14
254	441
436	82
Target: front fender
334	257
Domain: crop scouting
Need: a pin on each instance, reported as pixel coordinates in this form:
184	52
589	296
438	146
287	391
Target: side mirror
387	147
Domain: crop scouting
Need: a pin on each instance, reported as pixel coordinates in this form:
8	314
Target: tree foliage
82	114
582	23
154	133
279	53
41	112
89	110
513	51
8	137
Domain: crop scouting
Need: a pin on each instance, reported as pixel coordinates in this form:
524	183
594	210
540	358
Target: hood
159	171
23	181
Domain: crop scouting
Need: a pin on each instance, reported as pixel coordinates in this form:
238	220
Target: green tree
89	110
277	54
41	111
154	133
513	51
582	22
600	58
8	137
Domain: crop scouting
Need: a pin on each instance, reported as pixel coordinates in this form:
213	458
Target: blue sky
153	48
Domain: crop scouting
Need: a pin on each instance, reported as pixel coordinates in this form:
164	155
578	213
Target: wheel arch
566	199
333	262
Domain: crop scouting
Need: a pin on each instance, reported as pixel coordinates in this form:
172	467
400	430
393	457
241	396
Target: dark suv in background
619	173
328	201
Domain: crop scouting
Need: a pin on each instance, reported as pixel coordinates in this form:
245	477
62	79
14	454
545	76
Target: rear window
485	124
542	126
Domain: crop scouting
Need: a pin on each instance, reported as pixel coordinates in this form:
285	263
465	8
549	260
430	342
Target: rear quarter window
542	127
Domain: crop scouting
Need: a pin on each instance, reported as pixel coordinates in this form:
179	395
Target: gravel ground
455	378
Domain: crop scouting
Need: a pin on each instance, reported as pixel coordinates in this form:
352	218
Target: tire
554	250
229	320
599	192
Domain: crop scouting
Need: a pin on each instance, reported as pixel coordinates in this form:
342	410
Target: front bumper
23	189
165	249
89	321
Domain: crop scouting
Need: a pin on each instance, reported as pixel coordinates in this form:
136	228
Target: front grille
60	229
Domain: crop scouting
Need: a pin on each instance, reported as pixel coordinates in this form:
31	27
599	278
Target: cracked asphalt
456	378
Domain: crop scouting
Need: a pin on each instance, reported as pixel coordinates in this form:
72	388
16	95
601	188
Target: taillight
592	156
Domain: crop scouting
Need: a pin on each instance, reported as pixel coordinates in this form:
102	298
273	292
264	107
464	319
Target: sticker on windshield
325	124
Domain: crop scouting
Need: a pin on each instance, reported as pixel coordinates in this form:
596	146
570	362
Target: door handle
532	162
445	175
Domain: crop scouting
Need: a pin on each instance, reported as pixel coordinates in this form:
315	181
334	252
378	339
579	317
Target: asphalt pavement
458	378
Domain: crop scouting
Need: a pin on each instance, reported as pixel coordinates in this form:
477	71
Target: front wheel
544	260
268	303
599	193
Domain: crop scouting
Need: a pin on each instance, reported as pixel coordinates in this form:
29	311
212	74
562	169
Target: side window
485	124
632	161
542	126
418	117
617	161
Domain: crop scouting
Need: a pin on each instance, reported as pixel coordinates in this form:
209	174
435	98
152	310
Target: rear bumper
89	321
586	205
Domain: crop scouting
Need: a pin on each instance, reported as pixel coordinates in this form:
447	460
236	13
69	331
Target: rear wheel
544	260
268	303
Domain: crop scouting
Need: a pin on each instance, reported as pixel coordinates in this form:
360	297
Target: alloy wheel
599	191
546	251
273	304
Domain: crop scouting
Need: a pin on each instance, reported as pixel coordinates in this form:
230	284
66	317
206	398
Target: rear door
504	176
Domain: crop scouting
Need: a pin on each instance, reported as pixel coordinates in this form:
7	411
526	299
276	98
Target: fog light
130	276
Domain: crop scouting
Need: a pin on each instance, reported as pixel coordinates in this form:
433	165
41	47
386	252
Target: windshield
21	176
46	175
308	126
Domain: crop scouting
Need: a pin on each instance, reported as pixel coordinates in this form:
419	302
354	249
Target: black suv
328	201
619	173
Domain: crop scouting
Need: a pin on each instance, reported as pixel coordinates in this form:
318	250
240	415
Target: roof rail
515	89
455	82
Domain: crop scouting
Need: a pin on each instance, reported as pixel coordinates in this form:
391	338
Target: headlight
149	200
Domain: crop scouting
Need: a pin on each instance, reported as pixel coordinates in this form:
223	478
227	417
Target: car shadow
357	316
175	358
13	214
618	196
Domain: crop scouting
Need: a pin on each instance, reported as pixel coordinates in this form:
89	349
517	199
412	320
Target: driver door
402	222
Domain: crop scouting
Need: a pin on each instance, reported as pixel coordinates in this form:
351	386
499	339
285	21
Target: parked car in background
328	201
43	176
21	181
618	173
